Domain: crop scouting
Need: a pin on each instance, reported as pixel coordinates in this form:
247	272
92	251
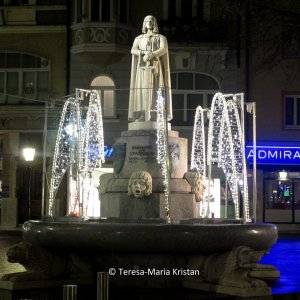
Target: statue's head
140	184
154	24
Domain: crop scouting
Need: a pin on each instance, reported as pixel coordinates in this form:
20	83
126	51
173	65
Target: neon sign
94	152
108	151
274	155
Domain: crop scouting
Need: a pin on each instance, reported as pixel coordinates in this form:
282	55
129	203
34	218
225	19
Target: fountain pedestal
136	150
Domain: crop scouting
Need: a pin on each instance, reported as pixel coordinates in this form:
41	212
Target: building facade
34	56
272	48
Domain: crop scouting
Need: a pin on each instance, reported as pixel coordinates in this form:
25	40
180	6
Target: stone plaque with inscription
119	155
141	153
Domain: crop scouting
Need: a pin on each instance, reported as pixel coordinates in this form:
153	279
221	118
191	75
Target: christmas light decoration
162	148
239	148
215	120
91	148
226	146
92	141
226	158
198	146
64	148
198	157
79	148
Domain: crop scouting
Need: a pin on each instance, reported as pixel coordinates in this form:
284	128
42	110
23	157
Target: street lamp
29	157
29	154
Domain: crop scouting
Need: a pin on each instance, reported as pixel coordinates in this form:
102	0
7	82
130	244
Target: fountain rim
150	238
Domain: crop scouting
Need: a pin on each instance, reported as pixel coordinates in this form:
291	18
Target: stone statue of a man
150	72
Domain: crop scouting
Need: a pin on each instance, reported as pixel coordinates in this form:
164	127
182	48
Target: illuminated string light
64	149
227	159
239	149
80	146
226	148
162	148
198	156
91	148
198	146
214	128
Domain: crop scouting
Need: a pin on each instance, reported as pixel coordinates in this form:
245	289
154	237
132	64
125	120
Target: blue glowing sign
93	151
279	155
108	151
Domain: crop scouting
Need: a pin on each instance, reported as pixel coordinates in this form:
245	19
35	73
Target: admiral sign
279	155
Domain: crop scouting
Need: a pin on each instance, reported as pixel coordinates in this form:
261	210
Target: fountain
156	229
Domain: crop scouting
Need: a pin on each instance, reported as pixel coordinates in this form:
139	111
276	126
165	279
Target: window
292	111
108	10
78	11
106	88
24	78
188	10
189	90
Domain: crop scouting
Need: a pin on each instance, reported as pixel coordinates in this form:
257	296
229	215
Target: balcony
111	40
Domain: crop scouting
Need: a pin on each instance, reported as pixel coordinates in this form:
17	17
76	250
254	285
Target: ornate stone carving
37	262
41	263
87	33
197	184
231	269
104	180
100	35
140	184
79	36
174	154
122	37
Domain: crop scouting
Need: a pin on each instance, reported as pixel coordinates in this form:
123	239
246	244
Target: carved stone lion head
18	253
247	257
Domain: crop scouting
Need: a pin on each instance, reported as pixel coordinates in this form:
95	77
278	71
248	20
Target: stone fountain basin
149	238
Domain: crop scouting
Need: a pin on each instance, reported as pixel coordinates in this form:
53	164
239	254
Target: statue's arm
163	49
135	47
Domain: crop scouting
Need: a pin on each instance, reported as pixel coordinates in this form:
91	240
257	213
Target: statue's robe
147	79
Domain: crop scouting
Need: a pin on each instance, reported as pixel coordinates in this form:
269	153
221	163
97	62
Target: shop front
282	197
279	166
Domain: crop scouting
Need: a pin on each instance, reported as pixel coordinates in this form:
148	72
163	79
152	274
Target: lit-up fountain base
218	258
